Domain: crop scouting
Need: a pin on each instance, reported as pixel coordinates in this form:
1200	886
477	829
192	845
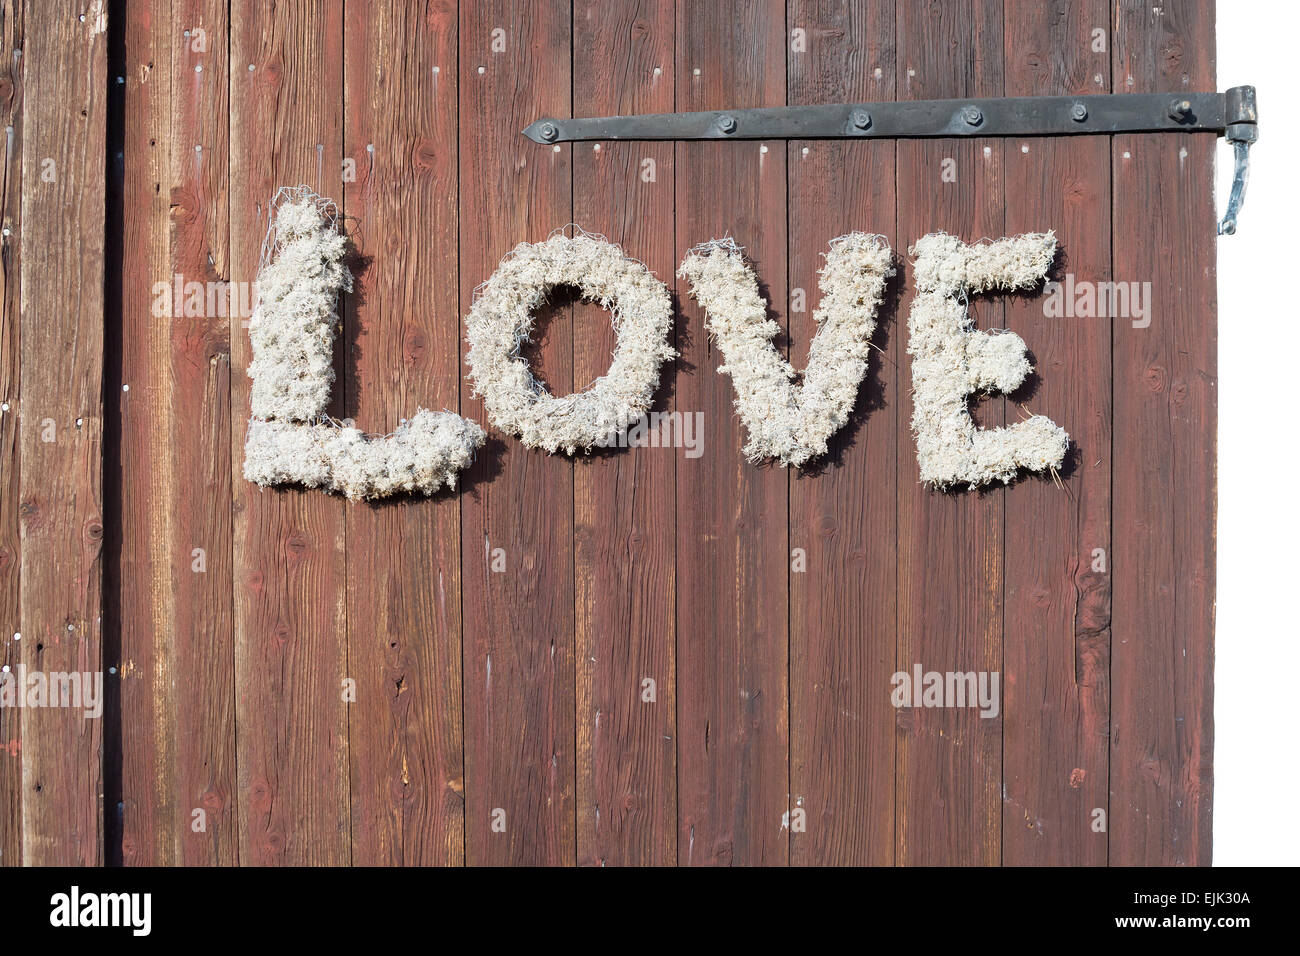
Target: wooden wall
292	679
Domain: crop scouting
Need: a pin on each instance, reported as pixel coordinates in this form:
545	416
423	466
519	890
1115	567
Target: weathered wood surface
624	501
1165	427
517	507
402	354
950	547
11	197
843	516
171	568
289	582
61	420
463	679
1056	638
733	552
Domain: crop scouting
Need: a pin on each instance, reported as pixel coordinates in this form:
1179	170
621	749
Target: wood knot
184	206
1075	192
297	544
400	789
274	843
1172	55
415	344
424	155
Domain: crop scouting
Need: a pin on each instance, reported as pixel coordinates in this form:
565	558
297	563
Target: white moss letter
953	360
501	320
290	439
785	420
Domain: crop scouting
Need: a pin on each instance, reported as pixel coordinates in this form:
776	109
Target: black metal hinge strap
1231	114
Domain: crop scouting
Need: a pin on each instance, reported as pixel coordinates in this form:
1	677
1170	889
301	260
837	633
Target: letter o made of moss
501	319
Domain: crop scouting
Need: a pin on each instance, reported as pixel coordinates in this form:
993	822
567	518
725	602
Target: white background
1257	647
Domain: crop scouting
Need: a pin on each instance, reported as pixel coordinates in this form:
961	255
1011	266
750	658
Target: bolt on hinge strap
1231	114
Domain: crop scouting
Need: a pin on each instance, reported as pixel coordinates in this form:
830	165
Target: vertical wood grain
732	517
1166	405
519	621
842	510
403	332
202	684
143	821
1057	641
11	180
949	544
61	419
624	498
289	579
172	568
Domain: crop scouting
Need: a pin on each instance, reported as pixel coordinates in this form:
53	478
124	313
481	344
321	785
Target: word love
789	417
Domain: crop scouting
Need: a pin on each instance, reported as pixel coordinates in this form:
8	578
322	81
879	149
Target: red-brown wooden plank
403	333
732	532
843	512
203	659
518	622
289	580
173	566
1057	633
948	772
11	179
1165	381
141	467
624	499
61	419
138	582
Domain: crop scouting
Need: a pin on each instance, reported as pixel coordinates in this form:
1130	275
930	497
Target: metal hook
1241	131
